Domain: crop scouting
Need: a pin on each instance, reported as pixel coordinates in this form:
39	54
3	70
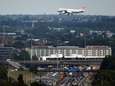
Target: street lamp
56	55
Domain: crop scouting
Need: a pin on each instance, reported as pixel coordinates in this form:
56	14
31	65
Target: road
65	62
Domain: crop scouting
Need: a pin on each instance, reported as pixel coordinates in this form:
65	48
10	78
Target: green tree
106	75
21	81
3	76
38	84
3	72
19	44
23	55
108	63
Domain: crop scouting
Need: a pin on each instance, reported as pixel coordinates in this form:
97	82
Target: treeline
106	75
81	21
5	80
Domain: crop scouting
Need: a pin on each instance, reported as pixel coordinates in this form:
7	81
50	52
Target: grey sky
94	7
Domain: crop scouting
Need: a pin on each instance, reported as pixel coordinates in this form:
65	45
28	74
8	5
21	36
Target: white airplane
70	11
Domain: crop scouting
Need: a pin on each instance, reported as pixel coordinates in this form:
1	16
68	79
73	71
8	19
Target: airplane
71	11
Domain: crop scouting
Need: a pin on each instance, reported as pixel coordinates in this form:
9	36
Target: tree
38	84
104	78
3	72
19	44
34	57
108	63
3	76
21	81
23	55
106	75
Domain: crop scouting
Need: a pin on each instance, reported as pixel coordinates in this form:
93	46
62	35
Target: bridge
62	70
65	62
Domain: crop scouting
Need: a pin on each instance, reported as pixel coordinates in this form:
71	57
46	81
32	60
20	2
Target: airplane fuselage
70	11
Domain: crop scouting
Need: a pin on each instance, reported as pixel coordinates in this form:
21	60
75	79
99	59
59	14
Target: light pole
85	51
57	56
31	47
3	36
30	56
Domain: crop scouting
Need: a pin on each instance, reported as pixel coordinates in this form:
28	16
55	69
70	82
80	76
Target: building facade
70	51
6	52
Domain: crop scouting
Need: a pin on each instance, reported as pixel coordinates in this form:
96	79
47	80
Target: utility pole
31	47
57	56
85	51
31	56
3	36
101	80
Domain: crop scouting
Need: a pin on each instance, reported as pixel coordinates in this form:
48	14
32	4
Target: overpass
65	62
62	70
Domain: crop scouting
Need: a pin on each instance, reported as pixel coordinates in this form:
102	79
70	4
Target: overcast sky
94	7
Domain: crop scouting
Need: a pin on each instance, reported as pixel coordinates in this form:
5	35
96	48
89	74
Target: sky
94	7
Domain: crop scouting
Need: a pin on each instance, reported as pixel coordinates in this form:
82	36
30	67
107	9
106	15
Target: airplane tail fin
84	8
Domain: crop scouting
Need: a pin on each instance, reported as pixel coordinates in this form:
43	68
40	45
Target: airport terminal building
69	52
